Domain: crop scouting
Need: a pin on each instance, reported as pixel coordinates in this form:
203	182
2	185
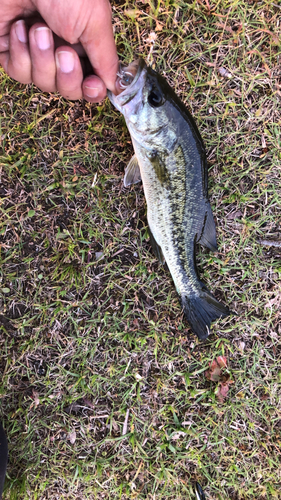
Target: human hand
35	38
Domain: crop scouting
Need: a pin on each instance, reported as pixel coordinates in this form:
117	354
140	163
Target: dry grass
102	384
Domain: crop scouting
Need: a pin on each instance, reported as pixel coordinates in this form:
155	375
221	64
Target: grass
103	391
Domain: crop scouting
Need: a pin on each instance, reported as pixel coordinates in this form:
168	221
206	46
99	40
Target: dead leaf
215	371
240	395
177	435
216	374
275	301
132	13
151	37
72	436
222	390
159	26
36	398
242	345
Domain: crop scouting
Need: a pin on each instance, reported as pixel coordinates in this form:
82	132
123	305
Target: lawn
104	390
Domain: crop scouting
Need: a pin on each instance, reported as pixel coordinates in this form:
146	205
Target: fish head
144	100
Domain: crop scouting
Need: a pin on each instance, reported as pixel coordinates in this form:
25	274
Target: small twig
125	426
105	415
138	471
270	243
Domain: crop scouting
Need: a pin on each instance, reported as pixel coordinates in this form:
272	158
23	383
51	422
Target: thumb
98	41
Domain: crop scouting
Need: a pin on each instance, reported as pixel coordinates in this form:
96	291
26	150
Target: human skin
51	42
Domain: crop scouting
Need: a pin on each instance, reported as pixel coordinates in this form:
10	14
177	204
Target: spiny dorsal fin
208	236
132	172
156	248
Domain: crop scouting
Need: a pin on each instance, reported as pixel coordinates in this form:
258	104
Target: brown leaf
159	26
215	371
240	395
36	398
222	390
72	436
216	374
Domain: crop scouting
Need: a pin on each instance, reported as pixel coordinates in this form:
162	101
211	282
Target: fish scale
170	160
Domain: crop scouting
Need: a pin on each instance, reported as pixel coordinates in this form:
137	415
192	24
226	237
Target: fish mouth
127	78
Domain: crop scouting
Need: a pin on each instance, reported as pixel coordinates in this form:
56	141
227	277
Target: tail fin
201	310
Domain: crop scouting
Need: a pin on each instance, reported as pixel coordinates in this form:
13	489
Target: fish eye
155	98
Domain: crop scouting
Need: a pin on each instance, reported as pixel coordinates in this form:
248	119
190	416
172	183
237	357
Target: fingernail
91	91
65	61
21	31
43	38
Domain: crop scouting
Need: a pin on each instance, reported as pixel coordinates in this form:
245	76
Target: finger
41	45
98	42
69	73
4	43
94	89
76	46
4	59
4	51
18	64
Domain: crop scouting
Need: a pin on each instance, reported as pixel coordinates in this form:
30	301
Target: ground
104	390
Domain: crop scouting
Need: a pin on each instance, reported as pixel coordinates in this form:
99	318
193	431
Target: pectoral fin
208	235
156	248
132	172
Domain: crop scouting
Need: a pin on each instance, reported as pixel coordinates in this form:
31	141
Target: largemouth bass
170	160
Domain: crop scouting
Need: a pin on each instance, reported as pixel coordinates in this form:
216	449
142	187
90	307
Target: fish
170	160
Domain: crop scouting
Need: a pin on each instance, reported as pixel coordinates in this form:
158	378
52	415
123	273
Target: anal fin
156	248
132	172
208	236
